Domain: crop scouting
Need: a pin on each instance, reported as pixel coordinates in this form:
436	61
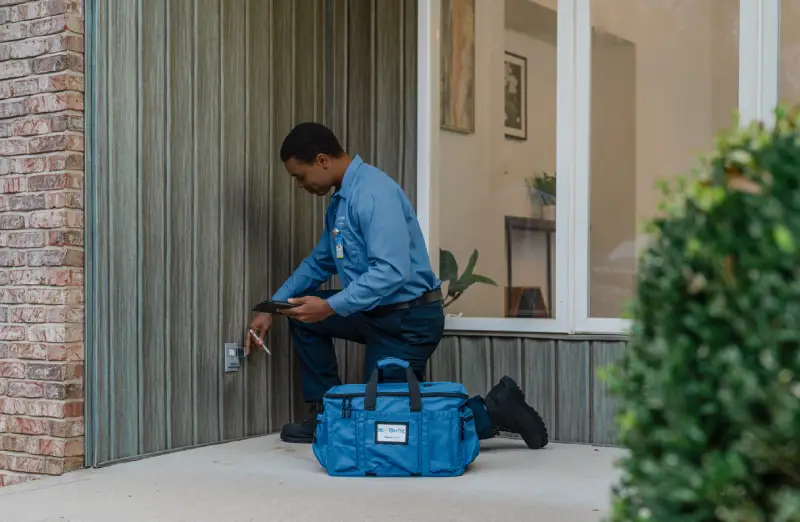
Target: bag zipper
395	394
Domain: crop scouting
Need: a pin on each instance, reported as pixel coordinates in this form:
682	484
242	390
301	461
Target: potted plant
458	284
542	192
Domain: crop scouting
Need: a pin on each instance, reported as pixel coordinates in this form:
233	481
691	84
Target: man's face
312	177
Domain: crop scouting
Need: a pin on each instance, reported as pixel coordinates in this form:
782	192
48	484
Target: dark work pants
411	334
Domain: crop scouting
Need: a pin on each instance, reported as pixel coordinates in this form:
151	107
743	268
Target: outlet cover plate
232	362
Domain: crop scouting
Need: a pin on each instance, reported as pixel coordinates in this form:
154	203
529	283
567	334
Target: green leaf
784	239
448	267
476	278
473	259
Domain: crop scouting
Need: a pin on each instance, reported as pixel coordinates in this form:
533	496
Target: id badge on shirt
337	240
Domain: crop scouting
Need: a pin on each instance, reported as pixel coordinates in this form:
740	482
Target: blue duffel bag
396	429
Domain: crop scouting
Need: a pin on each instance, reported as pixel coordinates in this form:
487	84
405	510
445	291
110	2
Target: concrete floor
264	479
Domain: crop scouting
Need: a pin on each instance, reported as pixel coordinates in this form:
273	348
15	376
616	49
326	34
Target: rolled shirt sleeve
314	270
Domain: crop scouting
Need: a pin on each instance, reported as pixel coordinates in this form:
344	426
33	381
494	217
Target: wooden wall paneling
387	80
476	363
604	406
261	256
573	390
233	142
408	171
282	203
359	118
152	188
308	88
444	361
101	417
207	213
539	379
181	323
123	227
506	359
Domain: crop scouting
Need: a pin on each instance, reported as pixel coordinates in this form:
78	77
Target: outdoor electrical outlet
233	357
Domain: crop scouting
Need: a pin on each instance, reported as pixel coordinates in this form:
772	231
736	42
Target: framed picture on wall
457	74
516	96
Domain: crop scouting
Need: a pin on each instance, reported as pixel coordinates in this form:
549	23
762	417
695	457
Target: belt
430	296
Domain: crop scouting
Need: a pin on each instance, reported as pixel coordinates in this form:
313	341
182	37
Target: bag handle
414	394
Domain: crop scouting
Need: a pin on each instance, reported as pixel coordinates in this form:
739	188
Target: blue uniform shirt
372	240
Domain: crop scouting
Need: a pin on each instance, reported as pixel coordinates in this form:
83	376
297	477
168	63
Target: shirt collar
349	175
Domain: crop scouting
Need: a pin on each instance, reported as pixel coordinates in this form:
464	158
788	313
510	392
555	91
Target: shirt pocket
351	250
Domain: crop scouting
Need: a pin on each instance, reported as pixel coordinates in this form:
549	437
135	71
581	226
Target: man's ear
323	160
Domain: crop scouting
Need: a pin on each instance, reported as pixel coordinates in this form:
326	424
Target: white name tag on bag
391	433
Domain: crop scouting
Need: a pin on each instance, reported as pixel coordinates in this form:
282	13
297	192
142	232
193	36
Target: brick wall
41	238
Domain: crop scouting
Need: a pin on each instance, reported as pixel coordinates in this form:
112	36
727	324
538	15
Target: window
664	82
600	99
496	168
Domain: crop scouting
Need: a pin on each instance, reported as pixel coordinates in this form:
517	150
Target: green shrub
709	390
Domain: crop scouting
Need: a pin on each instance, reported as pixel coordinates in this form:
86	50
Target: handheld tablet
271	307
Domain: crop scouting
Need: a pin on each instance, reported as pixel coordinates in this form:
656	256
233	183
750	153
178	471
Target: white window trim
759	60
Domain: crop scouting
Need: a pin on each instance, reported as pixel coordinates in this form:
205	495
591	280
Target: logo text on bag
391	432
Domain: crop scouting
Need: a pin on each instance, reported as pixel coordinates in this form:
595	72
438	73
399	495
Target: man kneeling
391	300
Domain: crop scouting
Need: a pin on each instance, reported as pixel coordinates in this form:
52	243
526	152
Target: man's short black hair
309	139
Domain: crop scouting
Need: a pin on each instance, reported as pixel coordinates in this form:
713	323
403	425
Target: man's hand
311	310
260	324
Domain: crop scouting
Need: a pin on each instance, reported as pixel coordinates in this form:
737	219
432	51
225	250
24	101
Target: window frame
759	46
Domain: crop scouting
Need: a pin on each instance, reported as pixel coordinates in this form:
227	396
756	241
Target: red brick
38	9
53	296
12	370
65	352
55	143
13	295
25	350
54	102
62	391
4	314
40	408
11	221
65	238
24	202
39	46
65	161
41	426
22	165
11	333
13	108
13	184
56	333
15	69
54	181
9	258
27	239
64	199
44	276
41	314
56	24
62	218
66	61
13	147
52	257
29	390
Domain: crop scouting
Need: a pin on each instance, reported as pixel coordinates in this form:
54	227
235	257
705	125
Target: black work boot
302	432
510	413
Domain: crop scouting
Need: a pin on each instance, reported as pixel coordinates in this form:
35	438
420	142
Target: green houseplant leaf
458	284
448	267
